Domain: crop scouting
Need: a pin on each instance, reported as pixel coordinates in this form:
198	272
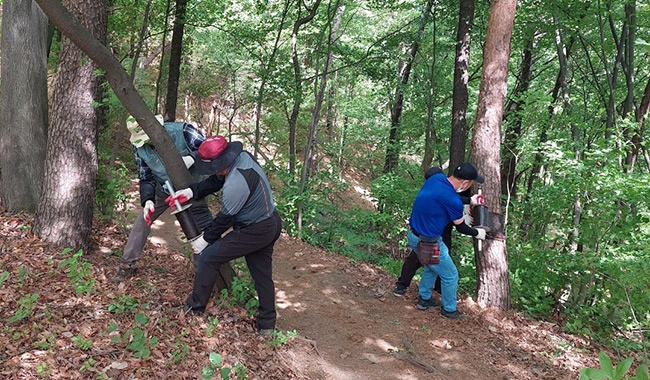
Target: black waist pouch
428	251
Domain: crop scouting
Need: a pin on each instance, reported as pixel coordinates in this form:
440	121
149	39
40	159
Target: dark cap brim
223	160
479	179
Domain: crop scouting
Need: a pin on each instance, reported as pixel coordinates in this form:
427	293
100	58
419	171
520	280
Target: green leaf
596	374
641	373
215	358
141	318
207	373
225	373
606	364
622	368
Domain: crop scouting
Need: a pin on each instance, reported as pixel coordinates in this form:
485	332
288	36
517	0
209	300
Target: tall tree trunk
65	212
460	97
161	63
175	56
297	78
493	285
430	136
310	150
23	98
394	139
513	131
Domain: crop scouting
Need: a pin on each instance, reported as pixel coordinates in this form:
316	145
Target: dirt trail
350	326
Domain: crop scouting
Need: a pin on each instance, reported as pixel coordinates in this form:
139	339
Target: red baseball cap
217	154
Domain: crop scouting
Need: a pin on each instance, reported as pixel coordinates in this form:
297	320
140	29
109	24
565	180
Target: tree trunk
513	131
175	56
65	211
128	96
493	285
23	98
394	139
460	97
310	150
297	78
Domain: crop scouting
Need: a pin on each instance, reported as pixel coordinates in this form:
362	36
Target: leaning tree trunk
493	285
65	211
23	98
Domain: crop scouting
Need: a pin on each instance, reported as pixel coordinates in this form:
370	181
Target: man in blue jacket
248	208
436	205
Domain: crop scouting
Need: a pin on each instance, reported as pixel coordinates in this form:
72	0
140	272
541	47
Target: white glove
481	234
189	161
147	211
467	215
477	199
198	244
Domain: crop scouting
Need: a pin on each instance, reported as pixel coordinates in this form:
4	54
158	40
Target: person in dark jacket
153	175
248	209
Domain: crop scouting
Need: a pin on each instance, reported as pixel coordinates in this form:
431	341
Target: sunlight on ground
282	302
382	344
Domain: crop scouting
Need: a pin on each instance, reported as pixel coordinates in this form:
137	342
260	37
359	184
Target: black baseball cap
468	171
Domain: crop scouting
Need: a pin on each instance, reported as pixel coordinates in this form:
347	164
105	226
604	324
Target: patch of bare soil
349	324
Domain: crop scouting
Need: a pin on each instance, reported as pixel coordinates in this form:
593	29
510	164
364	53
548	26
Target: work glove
182	196
147	211
481	234
477	199
189	161
198	244
467	215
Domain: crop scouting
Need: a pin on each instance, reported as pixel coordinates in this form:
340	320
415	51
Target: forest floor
349	325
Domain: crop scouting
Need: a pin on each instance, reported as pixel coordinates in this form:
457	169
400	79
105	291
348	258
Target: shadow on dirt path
359	330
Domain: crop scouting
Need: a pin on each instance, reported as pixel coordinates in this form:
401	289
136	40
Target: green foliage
123	304
113	178
27	304
242	293
87	365
79	272
280	338
138	340
608	371
81	343
4	276
216	367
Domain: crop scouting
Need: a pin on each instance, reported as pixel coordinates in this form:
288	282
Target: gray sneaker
426	304
123	273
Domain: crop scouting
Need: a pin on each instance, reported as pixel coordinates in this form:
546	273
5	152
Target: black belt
415	232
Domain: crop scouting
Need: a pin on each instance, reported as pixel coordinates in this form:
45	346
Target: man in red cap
247	206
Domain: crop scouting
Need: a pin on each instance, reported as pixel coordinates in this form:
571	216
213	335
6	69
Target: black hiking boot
426	304
123	273
452	314
399	291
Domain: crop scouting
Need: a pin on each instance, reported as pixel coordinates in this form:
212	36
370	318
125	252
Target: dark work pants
412	264
255	243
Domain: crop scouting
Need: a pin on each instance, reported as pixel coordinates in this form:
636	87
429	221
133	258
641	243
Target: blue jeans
446	270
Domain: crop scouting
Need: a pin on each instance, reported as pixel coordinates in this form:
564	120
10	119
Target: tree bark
175	56
23	97
460	97
129	97
65	211
493	285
